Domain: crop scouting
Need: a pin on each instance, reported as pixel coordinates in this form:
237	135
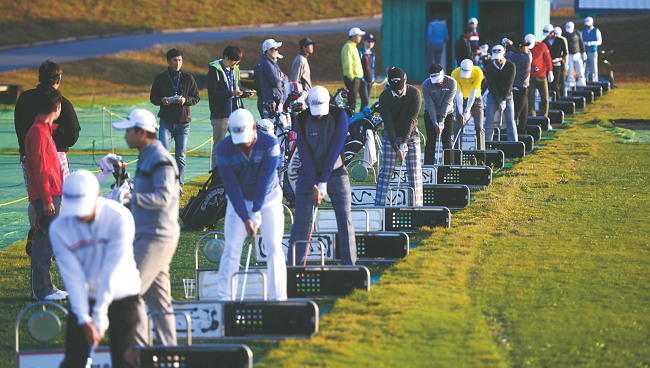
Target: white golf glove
503	105
441	124
256	217
566	66
403	147
466	115
322	187
584	56
550	77
100	321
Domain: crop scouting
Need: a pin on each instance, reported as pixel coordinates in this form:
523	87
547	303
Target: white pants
575	65
591	66
272	229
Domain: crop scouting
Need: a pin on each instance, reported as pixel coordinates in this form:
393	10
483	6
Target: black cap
468	29
396	79
369	37
520	42
306	42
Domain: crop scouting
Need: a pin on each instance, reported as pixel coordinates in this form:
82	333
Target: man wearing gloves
439	91
321	132
592	39
500	74
154	205
576	56
352	68
92	240
469	102
541	74
399	106
559	49
247	160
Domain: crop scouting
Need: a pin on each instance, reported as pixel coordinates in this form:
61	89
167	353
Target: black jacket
464	50
162	87
559	49
222	104
500	81
65	135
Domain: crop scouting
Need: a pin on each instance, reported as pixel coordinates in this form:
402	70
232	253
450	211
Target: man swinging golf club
247	160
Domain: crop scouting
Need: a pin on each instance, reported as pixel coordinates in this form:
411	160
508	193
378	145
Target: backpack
207	207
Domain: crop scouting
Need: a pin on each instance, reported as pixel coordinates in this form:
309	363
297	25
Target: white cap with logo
318	100
355	32
80	191
558	31
498	52
240	124
138	118
589	21
466	67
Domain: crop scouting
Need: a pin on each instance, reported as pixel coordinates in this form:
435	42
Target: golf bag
357	132
122	187
207	207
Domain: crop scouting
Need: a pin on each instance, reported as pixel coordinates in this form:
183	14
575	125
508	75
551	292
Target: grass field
546	268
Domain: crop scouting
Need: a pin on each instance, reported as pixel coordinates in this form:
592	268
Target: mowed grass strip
547	268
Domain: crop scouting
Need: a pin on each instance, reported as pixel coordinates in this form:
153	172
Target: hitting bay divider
452	196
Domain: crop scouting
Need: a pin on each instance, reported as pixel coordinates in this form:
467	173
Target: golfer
93	242
247	160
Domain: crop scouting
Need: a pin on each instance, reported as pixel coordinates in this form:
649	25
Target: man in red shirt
44	191
541	73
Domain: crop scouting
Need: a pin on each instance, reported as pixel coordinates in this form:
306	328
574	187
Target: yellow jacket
351	61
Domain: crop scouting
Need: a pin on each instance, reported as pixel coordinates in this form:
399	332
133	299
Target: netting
96	139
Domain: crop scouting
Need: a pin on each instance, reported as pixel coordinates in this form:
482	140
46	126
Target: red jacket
542	63
44	176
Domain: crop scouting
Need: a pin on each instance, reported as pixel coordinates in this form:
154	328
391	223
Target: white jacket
96	260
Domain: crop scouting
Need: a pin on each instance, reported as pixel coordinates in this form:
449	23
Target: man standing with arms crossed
399	106
247	160
67	126
469	102
175	91
93	242
154	205
352	68
322	130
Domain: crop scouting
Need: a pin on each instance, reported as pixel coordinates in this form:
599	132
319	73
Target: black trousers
520	98
123	317
432	137
365	89
558	80
353	86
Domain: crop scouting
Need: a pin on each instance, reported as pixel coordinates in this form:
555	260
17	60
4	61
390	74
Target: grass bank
39	20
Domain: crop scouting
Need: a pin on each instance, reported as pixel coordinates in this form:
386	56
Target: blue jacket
249	178
270	78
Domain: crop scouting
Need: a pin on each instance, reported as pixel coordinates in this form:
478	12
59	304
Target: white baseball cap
466	67
318	100
240	124
437	77
270	44
589	21
558	31
498	52
569	27
547	30
356	32
80	191
530	38
139	118
472	21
